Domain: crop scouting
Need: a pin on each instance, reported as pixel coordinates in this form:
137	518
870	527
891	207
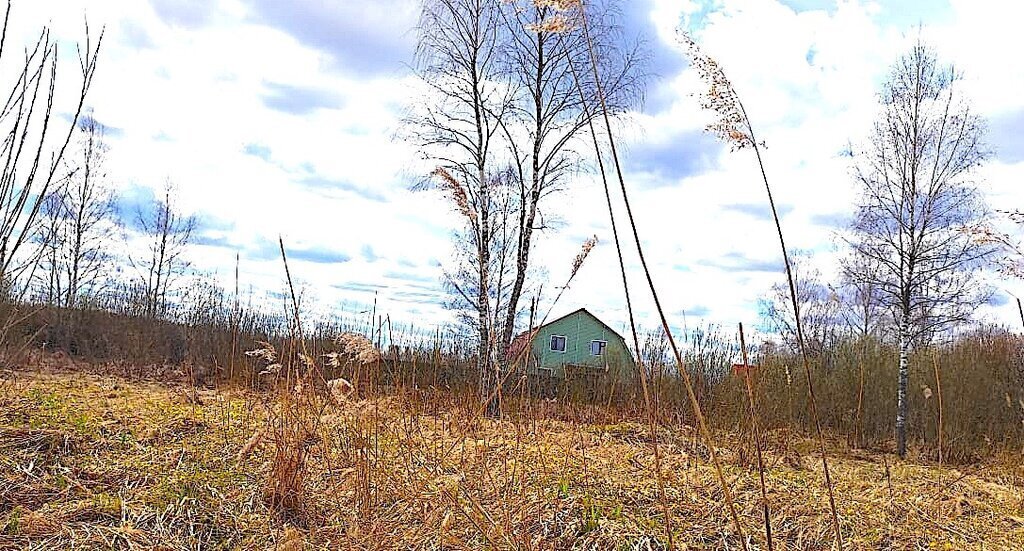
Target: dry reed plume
577	262
559	5
733	126
555	24
354	347
457	192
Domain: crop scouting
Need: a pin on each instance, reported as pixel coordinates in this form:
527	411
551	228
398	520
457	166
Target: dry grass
98	461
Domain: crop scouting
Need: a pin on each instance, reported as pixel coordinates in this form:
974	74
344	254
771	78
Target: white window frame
602	350
565	343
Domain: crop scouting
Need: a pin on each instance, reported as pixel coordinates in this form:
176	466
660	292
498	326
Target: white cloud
190	99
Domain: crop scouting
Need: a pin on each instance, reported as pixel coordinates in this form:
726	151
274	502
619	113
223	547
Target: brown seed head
556	24
356	347
560	5
458	193
720	98
577	262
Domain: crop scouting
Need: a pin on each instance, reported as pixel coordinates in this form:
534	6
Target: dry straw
649	406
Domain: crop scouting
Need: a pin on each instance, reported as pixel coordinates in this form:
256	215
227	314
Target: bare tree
31	149
462	276
862	313
548	112
500	122
820	311
1011	261
167	233
79	224
456	127
920	207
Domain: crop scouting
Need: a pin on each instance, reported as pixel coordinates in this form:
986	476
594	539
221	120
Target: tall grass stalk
938	392
650	411
811	399
755	434
1020	309
235	313
654	294
734	127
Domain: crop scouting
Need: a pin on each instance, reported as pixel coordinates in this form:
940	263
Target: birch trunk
901	391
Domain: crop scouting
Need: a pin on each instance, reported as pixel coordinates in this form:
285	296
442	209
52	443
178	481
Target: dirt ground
99	461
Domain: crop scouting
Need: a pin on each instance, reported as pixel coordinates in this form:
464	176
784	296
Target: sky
280	119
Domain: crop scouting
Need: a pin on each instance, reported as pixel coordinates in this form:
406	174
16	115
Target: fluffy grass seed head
355	347
556	24
577	262
268	354
458	193
340	390
558	5
720	98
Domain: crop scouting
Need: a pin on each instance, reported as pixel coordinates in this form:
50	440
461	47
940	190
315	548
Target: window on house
557	343
597	348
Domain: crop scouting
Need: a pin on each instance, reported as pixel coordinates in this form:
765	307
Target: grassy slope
99	461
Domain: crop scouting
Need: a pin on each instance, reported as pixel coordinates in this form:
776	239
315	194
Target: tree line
60	221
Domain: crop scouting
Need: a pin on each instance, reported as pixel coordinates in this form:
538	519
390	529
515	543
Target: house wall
579	330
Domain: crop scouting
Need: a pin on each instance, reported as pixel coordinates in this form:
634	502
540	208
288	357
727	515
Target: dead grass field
97	461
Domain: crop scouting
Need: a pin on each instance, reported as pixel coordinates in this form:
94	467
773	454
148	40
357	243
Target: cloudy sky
279	117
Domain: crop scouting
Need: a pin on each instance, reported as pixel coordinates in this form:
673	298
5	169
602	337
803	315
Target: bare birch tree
541	45
920	208
500	121
457	126
32	147
463	276
79	224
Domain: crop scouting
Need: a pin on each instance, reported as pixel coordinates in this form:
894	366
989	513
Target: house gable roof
573	313
522	341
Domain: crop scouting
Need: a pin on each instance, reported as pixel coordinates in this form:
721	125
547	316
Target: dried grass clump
292	540
291	425
268	354
340	390
250	444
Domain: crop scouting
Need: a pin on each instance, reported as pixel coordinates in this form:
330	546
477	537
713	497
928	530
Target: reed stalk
734	127
755	434
705	432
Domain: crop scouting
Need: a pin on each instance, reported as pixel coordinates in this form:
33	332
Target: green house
577	344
